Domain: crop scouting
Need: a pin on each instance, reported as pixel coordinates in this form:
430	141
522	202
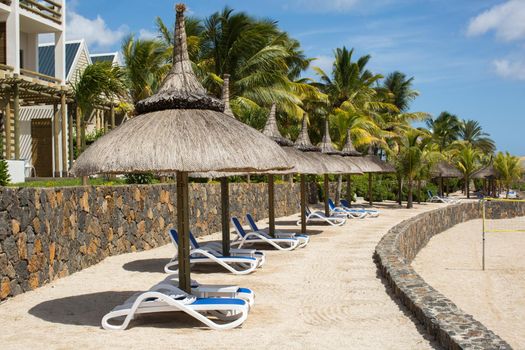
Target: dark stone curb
452	328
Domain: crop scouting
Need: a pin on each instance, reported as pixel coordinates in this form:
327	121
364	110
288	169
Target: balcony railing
48	9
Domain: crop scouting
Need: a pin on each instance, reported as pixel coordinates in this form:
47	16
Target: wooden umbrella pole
225	216
303	203
271	203
326	195
349	189
370	188
183	228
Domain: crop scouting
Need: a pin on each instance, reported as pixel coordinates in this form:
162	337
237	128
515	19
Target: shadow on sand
88	310
146	265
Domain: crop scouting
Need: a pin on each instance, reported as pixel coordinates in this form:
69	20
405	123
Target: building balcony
47	9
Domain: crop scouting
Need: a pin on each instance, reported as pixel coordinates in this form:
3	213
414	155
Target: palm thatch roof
485	173
446	170
226	95
303	142
181	129
272	130
349	149
326	145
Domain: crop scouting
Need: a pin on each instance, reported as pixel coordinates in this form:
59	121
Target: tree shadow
146	265
88	310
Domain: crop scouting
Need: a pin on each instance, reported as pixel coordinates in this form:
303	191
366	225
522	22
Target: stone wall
453	328
50	233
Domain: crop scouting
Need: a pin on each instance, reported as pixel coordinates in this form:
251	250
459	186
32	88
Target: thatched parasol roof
226	95
303	142
349	149
486	172
181	129
446	170
326	145
272	130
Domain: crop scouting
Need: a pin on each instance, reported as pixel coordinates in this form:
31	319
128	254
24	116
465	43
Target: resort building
22	83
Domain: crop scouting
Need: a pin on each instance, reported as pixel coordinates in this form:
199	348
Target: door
2	43
42	147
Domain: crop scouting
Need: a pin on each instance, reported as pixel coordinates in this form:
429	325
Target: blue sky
467	56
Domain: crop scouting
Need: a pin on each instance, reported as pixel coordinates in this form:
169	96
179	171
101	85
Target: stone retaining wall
453	328
50	233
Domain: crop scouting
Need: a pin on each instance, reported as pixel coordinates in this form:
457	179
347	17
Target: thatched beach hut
181	129
444	170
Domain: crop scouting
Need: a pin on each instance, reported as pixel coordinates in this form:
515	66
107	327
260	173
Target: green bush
4	174
139	178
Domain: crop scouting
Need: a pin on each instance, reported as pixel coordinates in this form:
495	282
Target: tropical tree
145	65
98	83
467	160
399	89
471	131
445	129
509	169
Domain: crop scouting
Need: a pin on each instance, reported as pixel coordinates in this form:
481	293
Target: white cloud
95	31
147	34
507	20
510	69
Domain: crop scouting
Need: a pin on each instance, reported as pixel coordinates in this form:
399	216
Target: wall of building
50	233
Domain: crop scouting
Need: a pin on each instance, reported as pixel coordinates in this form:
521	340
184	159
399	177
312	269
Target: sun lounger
244	264
370	212
439	199
351	214
212	290
247	238
230	311
303	239
318	217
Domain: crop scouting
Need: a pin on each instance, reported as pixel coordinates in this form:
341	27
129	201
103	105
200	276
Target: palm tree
445	129
400	90
472	132
467	161
145	63
509	169
98	83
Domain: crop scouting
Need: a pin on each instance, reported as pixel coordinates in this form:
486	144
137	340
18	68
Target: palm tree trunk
400	190
467	183
418	191
349	196
409	199
338	190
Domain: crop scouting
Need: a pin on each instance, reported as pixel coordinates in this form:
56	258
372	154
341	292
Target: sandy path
496	296
327	296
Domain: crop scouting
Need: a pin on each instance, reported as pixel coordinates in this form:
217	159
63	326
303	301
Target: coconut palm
472	132
400	90
95	85
445	129
509	169
145	65
467	159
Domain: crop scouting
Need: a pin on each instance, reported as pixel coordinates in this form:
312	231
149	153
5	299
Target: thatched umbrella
487	173
181	129
444	170
375	166
350	152
349	167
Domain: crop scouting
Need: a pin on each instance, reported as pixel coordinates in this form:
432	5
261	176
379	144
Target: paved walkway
327	295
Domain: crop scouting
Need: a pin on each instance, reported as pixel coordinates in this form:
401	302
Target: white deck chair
373	213
212	290
244	237
170	299
439	199
318	217
245	264
351	214
303	239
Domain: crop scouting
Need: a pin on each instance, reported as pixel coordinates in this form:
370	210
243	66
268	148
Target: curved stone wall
442	319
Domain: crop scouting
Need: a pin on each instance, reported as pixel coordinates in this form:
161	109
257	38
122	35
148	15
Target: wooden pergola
34	89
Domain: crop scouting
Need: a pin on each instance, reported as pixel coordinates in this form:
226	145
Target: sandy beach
451	263
327	295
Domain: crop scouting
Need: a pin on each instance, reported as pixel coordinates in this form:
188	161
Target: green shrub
139	178
4	174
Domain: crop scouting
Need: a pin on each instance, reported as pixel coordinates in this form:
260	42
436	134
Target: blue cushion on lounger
244	290
218	301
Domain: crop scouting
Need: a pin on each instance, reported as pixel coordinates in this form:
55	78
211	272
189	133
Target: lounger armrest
242	252
284	234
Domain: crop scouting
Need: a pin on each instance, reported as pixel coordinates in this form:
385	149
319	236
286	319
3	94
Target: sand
451	263
327	295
